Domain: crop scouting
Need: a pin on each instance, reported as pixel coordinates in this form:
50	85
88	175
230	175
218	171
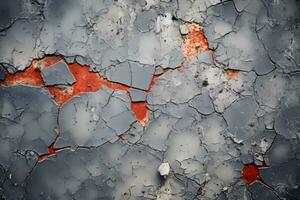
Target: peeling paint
149	99
194	42
86	81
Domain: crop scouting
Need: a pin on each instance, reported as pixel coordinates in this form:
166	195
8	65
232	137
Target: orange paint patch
232	73
141	112
194	42
29	76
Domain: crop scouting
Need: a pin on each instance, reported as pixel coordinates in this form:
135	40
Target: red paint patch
250	173
51	152
232	73
141	112
30	76
194	42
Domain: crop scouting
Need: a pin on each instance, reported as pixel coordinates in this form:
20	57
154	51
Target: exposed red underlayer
51	151
232	73
194	42
141	111
250	172
86	81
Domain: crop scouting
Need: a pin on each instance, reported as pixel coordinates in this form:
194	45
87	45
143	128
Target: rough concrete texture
99	98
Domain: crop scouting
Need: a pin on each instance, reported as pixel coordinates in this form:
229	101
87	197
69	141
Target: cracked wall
149	99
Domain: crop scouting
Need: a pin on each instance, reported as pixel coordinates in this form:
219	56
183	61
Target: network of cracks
152	99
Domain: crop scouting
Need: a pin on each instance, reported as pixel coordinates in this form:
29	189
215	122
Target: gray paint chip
57	74
203	104
137	95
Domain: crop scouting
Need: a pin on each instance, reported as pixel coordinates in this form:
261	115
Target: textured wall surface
150	99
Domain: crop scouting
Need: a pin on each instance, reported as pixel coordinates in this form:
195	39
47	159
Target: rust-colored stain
232	73
250	172
194	42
